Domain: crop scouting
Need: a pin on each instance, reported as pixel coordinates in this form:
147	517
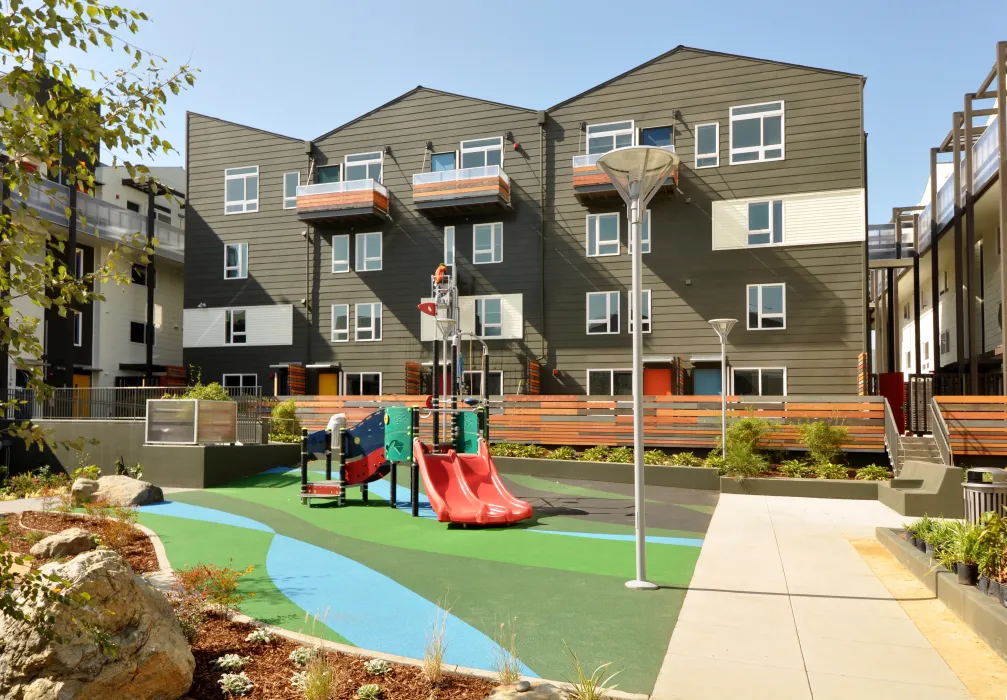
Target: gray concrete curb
802	488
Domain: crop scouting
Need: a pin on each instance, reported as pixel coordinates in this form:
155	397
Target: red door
657	382
892	385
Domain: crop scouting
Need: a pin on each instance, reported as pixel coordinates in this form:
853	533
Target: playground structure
458	474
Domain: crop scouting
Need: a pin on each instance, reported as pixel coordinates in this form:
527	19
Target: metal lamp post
638	173
723	326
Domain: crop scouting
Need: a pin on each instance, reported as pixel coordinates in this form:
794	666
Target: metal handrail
460	174
589	159
893	444
344	186
940	432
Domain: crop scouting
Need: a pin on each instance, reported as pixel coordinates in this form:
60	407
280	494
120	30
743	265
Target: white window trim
733	368
346	164
142	324
650	311
241	383
492	249
481	302
444	153
229	325
341	262
332	324
644	235
242	274
344	375
639	133
249	206
608	308
290	201
716	139
611	378
782	315
462	150
78	329
467	374
356	323
360	253
449	250
597	231
631	131
783	224
761	148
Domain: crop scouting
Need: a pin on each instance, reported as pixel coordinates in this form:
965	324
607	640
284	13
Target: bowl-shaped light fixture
723	326
638	171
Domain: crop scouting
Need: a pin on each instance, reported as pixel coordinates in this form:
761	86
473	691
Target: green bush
966	542
873	472
504	449
744	440
533	451
924	528
828	470
23	485
714	460
992	558
89	472
598	453
745	464
797	469
621	454
206	392
684	459
562	453
655	457
824	441
284	426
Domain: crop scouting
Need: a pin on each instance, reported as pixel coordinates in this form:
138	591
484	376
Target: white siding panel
513	316
730	224
202	328
265	325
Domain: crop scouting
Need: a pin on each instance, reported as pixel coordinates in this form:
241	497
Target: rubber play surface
374	577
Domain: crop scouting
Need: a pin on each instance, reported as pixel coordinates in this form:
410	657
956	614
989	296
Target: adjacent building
306	260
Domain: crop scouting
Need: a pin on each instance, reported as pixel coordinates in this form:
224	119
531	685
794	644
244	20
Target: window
340	323
480	152
78	329
241	190
926	352
489	318
364	166
909	359
905	312
760	381
137	332
765	222
443	161
449	246
164	218
660	136
138	274
602	313
487	243
362	383
603	235
944	281
133	206
474	383
757	132
645	293
369	321
708	145
766	306
235	261
341	252
644	235
602	138
78	263
240	381
368	252
330	173
945	342
610	382
234	327
291	181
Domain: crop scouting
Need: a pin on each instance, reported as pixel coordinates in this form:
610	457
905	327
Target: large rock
83	489
152	660
126	491
67	543
523	690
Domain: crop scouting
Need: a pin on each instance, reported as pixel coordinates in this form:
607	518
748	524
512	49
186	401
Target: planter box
616	472
802	488
204	466
190	422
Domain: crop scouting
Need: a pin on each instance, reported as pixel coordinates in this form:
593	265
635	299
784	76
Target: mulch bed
138	551
271	670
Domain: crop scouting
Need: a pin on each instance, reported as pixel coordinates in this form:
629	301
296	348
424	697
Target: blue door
706	382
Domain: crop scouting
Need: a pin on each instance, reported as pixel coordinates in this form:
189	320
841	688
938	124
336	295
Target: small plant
598	453
588	686
236	684
562	453
433	653
299	681
504	449
505	659
742	457
966	543
623	455
23	485
684	459
89	472
119	531
259	636
823	440
369	691
377	667
33	536
715	460
133	472
301	656
873	472
797	469
232	663
206	392
992	558
828	470
532	451
189	611
284	426
218	585
924	528
655	457
319	679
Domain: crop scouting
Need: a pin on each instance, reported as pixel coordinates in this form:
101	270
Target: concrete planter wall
680	477
802	488
203	466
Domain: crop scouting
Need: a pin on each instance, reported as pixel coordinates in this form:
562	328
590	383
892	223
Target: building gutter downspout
308	148
542	194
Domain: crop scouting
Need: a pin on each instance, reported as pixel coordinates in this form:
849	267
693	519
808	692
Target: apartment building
308	258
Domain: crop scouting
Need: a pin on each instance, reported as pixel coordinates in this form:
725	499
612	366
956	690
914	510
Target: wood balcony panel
591	182
342	206
462	196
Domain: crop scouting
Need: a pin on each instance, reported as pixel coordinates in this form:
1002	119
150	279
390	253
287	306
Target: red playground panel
319	489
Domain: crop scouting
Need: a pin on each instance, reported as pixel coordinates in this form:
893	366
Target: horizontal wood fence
977	425
685	422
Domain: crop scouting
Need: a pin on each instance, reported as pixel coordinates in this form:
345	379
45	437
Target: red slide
467	488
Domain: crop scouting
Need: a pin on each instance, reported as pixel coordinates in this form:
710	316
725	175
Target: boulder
126	491
68	543
83	489
523	690
152	660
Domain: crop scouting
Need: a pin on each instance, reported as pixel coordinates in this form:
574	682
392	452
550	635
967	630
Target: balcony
469	190
333	202
590	182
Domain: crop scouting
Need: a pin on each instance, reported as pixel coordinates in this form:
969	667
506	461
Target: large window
368	252
362	383
659	136
78	329
240	381
341	252
474	382
241	190
440	162
449	246
708	145
644	235
487	243
760	381
602	313
330	173
137	332
489	317
480	152
364	166
235	261
602	138
290	183
645	293
340	323
610	382
368	322
765	222
767	306
757	132
234	327
602	235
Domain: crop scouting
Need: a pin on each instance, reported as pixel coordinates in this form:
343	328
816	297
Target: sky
303	67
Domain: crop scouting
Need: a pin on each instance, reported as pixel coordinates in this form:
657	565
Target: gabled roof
418	88
682	47
243	126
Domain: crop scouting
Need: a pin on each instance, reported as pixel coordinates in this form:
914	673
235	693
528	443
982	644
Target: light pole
723	326
638	173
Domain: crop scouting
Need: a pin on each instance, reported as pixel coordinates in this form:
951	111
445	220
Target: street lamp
723	326
638	173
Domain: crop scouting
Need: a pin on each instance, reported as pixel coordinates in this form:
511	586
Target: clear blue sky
303	67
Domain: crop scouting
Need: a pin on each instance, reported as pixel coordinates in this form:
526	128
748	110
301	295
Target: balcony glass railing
586	161
881	242
985	156
461	174
346	186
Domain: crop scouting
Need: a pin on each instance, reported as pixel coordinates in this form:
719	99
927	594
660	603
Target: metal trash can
983	497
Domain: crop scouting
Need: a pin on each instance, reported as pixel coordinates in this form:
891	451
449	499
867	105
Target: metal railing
940	432
881	242
985	155
345	186
460	174
590	159
892	443
919	391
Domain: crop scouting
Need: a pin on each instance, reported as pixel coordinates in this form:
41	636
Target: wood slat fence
977	425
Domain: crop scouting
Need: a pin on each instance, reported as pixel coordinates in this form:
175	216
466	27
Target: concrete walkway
782	606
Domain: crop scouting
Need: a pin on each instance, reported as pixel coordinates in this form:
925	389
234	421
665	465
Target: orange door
328	384
657	382
82	397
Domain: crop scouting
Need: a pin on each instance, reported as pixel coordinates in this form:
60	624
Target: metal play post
414	472
304	459
342	463
328	455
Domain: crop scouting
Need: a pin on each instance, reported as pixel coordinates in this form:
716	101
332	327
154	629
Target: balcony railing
986	155
881	242
334	201
589	180
465	189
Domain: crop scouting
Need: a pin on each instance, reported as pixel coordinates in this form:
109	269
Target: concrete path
782	606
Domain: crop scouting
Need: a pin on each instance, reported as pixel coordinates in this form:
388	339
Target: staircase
917	449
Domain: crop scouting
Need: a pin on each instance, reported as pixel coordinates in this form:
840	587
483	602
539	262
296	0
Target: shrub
533	451
319	679
505	659
284	426
34	536
966	545
299	681
189	611
828	470
622	455
119	530
232	663
797	469
824	441
206	392
598	453
436	646
873	472
23	485
504	449
588	686
217	585
377	667
89	472
369	691
134	472
259	636
715	460
992	558
743	464
924	528
655	457
236	684
301	656
744	439
562	453
685	459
